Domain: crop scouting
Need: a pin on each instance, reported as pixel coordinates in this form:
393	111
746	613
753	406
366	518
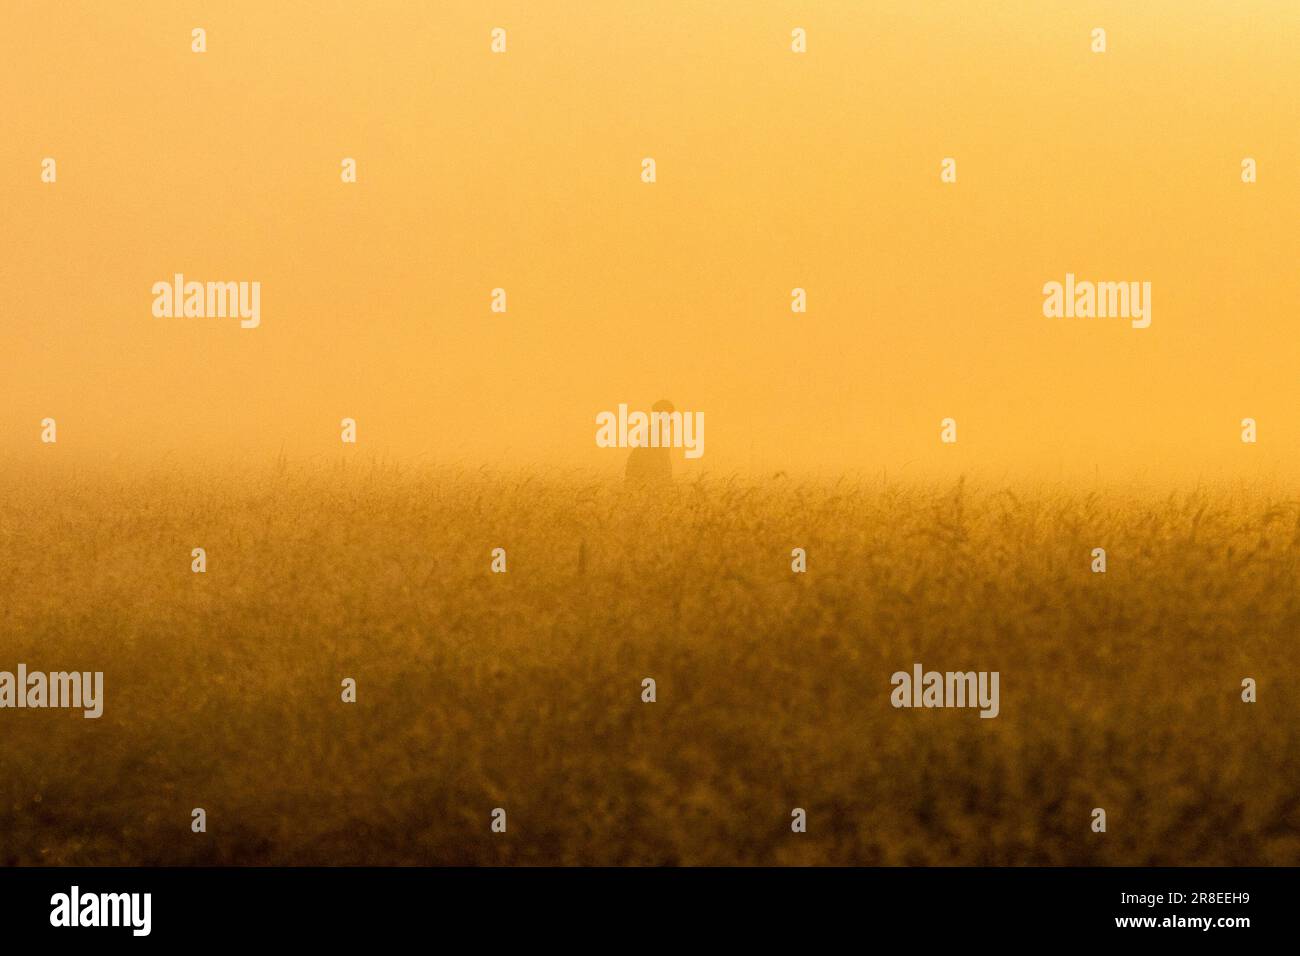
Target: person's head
663	405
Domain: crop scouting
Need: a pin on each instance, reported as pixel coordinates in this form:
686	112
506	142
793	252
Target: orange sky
775	170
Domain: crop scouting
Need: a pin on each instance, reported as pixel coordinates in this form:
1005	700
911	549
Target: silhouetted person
651	466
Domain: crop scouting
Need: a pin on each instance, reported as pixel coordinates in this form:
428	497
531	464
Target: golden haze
775	171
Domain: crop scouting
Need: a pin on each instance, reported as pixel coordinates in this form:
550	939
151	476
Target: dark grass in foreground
522	690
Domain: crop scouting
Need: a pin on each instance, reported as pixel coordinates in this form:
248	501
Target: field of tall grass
522	690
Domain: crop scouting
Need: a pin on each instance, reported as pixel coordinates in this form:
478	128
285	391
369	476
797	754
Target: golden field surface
522	690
